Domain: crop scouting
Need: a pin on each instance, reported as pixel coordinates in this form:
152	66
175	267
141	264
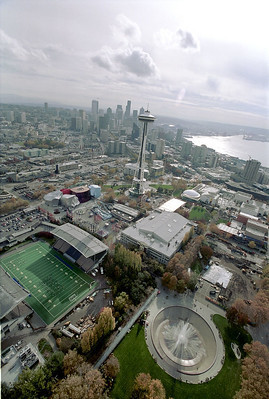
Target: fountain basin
183	340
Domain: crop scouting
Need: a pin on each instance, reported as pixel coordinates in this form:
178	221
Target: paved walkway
125	329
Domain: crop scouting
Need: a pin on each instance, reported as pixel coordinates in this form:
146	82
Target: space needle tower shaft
138	181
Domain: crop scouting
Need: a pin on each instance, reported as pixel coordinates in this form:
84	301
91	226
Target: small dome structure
191	195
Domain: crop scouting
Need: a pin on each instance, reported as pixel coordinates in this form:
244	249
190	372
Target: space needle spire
138	180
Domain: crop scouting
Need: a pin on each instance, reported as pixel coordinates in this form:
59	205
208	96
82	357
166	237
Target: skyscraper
179	136
160	144
251	170
119	114
95	106
186	149
127	110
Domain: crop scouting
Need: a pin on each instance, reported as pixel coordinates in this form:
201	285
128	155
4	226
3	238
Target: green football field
55	284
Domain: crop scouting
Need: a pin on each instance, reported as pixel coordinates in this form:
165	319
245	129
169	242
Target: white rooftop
160	231
227	229
172	205
217	274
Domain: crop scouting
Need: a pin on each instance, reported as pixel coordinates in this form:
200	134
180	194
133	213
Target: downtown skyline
186	60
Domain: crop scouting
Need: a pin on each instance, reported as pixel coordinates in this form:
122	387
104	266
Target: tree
206	252
172	283
111	367
255	372
252	244
87	384
105	324
72	360
122	302
147	388
166	279
192	281
54	365
237	314
259	309
215	229
33	384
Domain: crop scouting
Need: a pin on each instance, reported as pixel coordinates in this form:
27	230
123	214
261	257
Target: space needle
139	180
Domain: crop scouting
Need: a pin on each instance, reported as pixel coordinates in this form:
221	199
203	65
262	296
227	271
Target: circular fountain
183	340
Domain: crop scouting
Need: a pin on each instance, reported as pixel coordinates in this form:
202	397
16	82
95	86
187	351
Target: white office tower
139	180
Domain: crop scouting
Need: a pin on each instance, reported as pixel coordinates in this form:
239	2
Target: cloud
126	57
104	58
138	62
212	83
187	40
126	31
12	50
180	39
11	47
135	61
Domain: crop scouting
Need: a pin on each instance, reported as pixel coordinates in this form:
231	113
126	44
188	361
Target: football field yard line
72	271
45	266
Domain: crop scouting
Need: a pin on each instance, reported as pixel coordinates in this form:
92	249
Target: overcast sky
193	59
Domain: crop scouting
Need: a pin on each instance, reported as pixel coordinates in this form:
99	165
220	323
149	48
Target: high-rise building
127	110
135	113
119	114
160	144
251	170
135	132
95	106
186	149
46	107
76	123
179	136
82	114
22	117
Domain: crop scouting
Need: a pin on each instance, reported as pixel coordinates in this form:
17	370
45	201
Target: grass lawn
135	358
163	186
199	213
45	348
224	221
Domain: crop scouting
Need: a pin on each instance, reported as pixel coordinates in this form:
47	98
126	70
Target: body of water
236	146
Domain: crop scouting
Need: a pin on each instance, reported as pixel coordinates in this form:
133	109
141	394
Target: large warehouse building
160	234
79	246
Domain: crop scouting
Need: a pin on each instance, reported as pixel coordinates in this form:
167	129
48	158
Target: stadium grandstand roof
11	293
79	239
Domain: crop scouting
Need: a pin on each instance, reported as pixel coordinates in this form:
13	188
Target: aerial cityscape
134	200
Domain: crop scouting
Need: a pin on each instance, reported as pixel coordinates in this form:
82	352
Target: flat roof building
160	234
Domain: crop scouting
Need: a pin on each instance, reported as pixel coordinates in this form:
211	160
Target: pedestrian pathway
125	329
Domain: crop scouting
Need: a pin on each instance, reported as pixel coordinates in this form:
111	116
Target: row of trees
42	143
92	336
12	204
255	372
64	377
176	276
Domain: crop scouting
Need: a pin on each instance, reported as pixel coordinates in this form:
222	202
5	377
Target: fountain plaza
182	338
